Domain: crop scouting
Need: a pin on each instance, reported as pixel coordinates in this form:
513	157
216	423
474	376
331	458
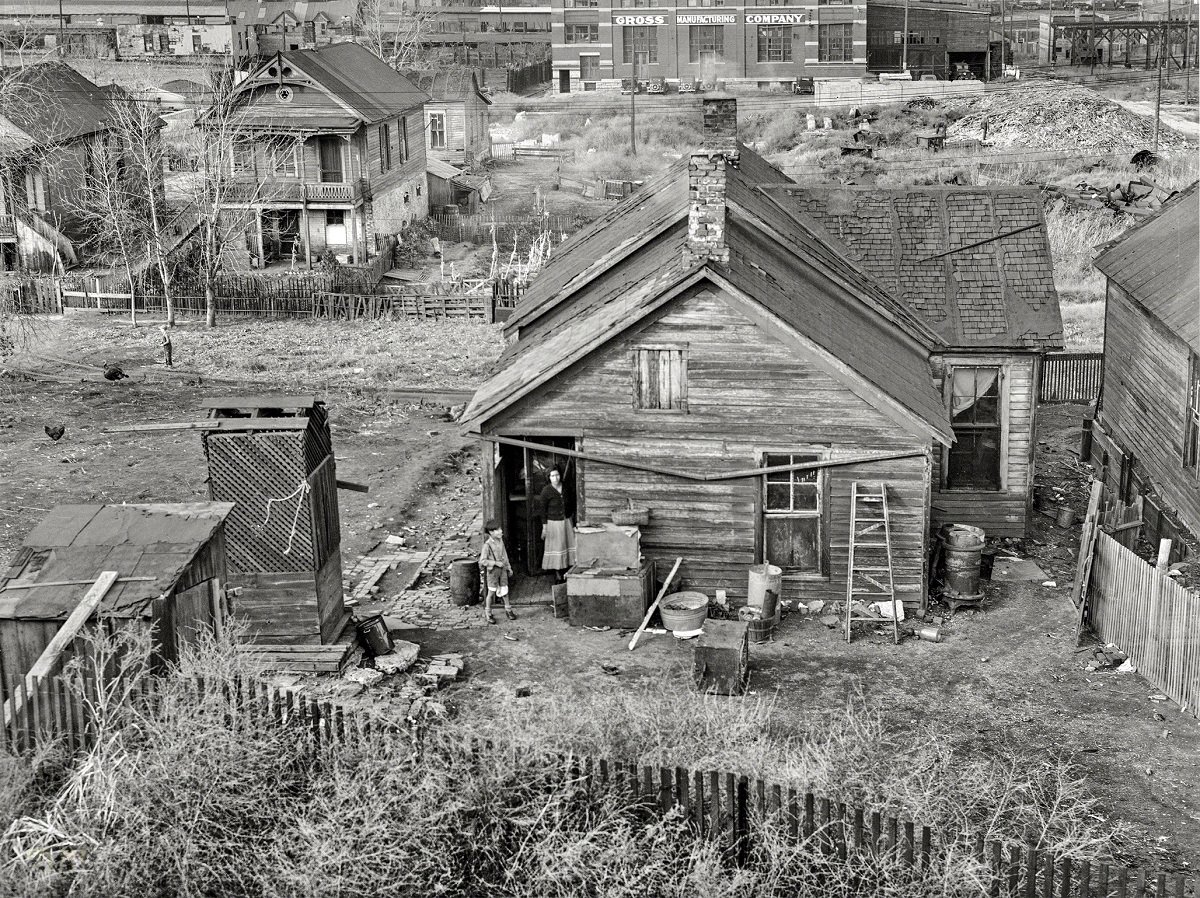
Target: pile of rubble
1107	657
1140	197
414	681
1055	117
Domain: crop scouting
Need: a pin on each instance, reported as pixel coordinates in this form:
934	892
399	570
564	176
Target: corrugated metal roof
78	542
1158	264
918	243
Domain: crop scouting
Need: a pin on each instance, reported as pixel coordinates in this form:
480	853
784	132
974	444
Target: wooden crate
609	598
721	660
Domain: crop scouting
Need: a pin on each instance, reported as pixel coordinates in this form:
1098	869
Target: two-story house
53	124
456	116
327	153
263	27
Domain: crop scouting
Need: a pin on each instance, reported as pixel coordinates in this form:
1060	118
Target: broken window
792	511
437	130
1191	427
660	379
973	462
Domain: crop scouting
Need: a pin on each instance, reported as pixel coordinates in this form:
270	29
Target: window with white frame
792	510
437	130
774	43
973	462
582	34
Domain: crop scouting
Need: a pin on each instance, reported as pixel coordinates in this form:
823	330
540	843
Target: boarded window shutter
660	379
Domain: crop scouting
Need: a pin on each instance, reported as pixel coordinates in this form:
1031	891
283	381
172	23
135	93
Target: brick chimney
706	182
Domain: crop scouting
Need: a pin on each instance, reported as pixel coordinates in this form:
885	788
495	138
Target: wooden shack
701	352
272	457
1146	436
171	565
974	263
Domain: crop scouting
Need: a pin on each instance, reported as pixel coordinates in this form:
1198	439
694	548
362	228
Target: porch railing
8	226
297	191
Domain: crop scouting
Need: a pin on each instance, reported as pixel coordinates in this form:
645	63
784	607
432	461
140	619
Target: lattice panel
248	469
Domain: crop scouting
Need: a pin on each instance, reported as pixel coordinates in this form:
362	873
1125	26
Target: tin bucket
928	634
374	636
766	583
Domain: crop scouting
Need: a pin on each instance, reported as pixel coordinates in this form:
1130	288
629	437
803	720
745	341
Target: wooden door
525	473
330	149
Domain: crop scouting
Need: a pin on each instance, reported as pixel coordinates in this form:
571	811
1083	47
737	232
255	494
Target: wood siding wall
1004	512
746	394
467	138
1143	402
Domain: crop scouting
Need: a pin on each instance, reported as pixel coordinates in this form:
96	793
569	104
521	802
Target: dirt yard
1008	676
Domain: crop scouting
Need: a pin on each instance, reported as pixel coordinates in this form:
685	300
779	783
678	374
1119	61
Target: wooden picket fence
728	808
1150	617
479	228
1071	376
425	306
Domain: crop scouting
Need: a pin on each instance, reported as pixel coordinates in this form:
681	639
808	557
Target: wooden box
608	546
721	662
598	597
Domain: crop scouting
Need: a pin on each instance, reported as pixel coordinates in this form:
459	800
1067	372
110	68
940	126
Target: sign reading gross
710	18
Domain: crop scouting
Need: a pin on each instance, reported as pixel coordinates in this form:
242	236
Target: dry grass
315	354
178	800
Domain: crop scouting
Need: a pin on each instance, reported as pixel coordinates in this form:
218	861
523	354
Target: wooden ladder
869	571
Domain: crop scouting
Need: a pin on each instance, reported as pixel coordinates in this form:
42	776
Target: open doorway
524	473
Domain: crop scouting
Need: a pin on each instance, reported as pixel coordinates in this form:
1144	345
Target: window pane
779	497
793	542
974	460
804	497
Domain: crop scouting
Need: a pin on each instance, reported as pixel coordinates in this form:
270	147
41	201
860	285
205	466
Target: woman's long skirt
560	546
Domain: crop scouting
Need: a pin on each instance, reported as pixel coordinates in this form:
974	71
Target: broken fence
732	810
1071	376
1151	618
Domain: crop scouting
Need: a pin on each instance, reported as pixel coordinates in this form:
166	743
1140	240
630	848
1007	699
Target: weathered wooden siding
1004	512
746	394
1143	403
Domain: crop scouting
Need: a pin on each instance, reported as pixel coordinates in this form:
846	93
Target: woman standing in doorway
557	530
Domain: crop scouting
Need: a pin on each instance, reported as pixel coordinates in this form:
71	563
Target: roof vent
284	94
273	72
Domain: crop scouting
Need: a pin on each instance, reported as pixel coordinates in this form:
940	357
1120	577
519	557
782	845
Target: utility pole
633	101
1003	41
1158	94
1092	39
904	50
62	50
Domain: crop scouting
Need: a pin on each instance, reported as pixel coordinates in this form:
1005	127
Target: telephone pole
633	103
904	50
1163	50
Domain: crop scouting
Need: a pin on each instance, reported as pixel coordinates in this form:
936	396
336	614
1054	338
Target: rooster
113	372
56	432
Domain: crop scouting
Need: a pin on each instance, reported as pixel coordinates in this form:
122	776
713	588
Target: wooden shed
1146	436
702	352
171	565
272	456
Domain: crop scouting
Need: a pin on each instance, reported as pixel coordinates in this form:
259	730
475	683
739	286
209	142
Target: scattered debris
830	621
1140	197
364	676
611	669
1127	667
523	691
401	658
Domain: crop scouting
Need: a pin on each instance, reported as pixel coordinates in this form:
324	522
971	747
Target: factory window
660	379
792	511
706	43
581	4
583	34
835	43
774	43
705	3
589	68
437	130
640	44
973	462
835	2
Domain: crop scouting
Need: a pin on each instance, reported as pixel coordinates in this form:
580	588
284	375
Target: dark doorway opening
564	81
524	473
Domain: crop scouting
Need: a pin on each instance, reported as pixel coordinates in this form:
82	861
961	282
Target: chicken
113	372
56	432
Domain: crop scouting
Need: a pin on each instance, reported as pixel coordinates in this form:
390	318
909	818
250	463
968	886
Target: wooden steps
304	657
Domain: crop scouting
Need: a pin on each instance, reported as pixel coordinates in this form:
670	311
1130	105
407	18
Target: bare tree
396	31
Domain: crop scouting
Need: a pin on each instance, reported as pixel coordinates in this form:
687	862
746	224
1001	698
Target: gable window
437	130
402	139
973	462
660	379
385	147
792	509
1191	427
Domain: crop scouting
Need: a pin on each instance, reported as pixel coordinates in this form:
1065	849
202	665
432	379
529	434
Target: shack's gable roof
914	242
617	273
1157	264
78	542
449	85
339	86
51	103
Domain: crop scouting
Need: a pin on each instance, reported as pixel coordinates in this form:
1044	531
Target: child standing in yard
494	560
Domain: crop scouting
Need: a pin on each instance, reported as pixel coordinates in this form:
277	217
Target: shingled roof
628	264
973	262
51	103
1157	264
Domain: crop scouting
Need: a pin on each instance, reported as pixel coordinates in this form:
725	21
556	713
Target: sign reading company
707	18
776	18
639	20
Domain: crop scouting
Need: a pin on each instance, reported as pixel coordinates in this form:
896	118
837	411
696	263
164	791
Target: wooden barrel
464	581
760	627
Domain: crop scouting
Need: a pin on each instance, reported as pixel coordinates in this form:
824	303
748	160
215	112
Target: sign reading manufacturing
707	18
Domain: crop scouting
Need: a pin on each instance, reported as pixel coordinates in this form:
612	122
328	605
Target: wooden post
1164	555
